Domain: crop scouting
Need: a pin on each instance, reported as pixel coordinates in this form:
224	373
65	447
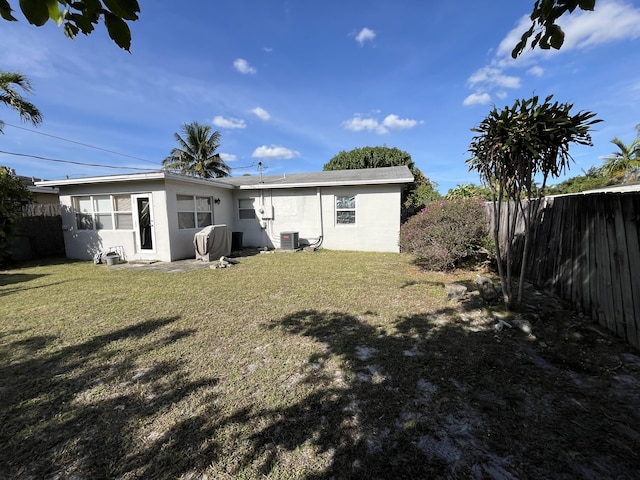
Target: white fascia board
262	186
135	177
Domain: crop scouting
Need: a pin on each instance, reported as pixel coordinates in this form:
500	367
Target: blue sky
292	83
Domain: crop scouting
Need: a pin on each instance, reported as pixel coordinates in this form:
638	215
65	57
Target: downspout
319	195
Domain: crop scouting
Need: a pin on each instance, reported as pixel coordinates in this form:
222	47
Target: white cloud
274	152
501	94
228	157
536	71
394	122
493	77
390	122
359	124
365	34
220	121
267	49
261	113
610	21
477	99
241	65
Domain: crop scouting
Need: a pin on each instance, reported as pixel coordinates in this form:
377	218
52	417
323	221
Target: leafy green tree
13	99
418	194
512	148
544	18
592	179
13	194
469	190
627	157
196	152
79	16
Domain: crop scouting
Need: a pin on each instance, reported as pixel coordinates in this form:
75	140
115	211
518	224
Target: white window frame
353	209
247	209
195	211
93	213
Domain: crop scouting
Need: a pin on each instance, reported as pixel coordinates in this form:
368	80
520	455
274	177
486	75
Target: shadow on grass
422	397
13	278
9	291
435	400
77	411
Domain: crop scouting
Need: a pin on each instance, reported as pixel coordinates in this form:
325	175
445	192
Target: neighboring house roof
629	188
634	187
30	182
365	176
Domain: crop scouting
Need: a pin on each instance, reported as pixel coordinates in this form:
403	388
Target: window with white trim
194	211
345	209
246	210
103	212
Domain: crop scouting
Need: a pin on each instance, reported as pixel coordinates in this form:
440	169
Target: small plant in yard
446	234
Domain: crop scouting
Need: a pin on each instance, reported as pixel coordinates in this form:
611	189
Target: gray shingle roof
364	176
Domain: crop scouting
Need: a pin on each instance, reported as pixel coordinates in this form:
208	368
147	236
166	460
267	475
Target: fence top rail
41	210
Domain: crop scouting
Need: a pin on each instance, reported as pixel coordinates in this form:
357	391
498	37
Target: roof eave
336	183
137	177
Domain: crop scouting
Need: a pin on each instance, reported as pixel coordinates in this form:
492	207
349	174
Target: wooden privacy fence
586	249
39	233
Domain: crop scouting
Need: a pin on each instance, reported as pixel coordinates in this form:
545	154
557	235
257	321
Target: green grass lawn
307	365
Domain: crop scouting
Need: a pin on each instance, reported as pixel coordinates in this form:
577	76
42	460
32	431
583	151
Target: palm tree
10	97
196	152
628	156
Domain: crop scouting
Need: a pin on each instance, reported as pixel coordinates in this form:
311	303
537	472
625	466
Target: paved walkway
178	266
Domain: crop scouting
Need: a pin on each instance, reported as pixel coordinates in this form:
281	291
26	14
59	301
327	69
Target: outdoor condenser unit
289	240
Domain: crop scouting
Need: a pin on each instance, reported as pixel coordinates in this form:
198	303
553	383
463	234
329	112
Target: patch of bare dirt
546	393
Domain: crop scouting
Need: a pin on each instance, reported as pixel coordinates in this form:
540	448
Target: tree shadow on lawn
426	396
435	400
12	278
78	411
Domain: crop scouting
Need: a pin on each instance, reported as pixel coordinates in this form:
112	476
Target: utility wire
82	144
72	162
95	148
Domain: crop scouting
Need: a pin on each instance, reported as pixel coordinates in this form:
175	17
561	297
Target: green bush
447	234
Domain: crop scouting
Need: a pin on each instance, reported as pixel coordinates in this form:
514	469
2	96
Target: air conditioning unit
289	240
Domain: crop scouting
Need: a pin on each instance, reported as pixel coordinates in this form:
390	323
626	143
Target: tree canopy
13	193
514	146
196	152
79	16
10	97
419	193
544	18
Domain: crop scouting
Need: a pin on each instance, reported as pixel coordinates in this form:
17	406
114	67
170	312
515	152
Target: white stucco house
154	216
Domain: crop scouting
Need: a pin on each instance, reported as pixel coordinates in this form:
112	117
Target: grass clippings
308	365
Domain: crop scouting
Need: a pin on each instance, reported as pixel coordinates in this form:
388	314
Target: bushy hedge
447	233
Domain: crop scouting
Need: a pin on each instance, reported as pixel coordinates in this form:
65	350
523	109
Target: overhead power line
74	163
82	144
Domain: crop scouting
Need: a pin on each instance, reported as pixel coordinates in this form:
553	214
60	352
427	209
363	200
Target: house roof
130	177
365	176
